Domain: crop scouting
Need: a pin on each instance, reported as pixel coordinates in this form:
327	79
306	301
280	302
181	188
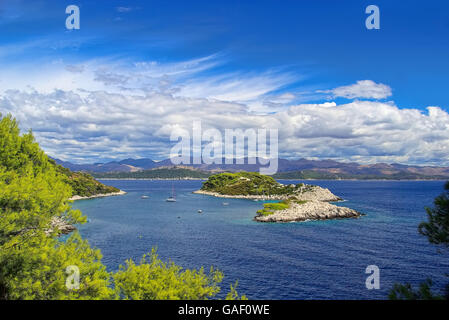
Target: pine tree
34	261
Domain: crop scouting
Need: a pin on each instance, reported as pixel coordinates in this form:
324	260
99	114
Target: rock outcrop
306	203
62	226
309	210
315	193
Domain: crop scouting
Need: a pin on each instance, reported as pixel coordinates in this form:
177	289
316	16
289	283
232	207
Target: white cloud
101	125
283	98
238	87
109	108
366	89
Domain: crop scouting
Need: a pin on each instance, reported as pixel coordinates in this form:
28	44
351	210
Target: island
295	202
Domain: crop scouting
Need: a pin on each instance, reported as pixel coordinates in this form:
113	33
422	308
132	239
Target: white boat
172	198
225	203
200	211
144	197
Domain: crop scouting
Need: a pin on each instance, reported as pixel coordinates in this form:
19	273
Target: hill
83	184
287	169
160	173
325	175
247	184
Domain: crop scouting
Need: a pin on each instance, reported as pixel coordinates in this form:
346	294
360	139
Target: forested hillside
82	183
160	173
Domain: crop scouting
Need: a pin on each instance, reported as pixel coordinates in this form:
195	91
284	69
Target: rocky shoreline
312	193
309	203
61	225
310	210
101	195
65	227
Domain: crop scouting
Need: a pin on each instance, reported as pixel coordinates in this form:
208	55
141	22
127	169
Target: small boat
172	198
144	197
200	211
225	203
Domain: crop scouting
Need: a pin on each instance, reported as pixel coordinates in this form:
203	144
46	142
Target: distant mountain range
287	169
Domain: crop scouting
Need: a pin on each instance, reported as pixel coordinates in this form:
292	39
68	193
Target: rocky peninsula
299	202
101	195
307	210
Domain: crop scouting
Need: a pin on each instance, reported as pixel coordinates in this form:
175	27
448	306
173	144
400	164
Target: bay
306	260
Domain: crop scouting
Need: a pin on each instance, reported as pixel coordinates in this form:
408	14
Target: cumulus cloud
366	89
113	109
101	125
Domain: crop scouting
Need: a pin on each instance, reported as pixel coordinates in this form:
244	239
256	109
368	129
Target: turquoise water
308	260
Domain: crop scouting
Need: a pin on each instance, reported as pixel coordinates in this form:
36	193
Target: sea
298	260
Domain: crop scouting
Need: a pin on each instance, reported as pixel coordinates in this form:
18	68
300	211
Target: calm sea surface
308	260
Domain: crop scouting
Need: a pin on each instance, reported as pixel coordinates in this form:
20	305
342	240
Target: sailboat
172	198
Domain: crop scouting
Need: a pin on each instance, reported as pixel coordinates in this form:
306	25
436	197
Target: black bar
251	309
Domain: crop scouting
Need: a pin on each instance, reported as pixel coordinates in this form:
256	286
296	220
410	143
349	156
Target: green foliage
155	280
270	208
277	206
246	183
32	192
84	185
233	294
36	270
406	292
436	229
33	260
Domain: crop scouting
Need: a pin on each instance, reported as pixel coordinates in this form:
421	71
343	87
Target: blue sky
267	56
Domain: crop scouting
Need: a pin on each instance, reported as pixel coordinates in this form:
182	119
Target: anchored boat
172	198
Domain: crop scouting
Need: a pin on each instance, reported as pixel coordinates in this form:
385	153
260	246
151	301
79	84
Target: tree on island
34	261
436	229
